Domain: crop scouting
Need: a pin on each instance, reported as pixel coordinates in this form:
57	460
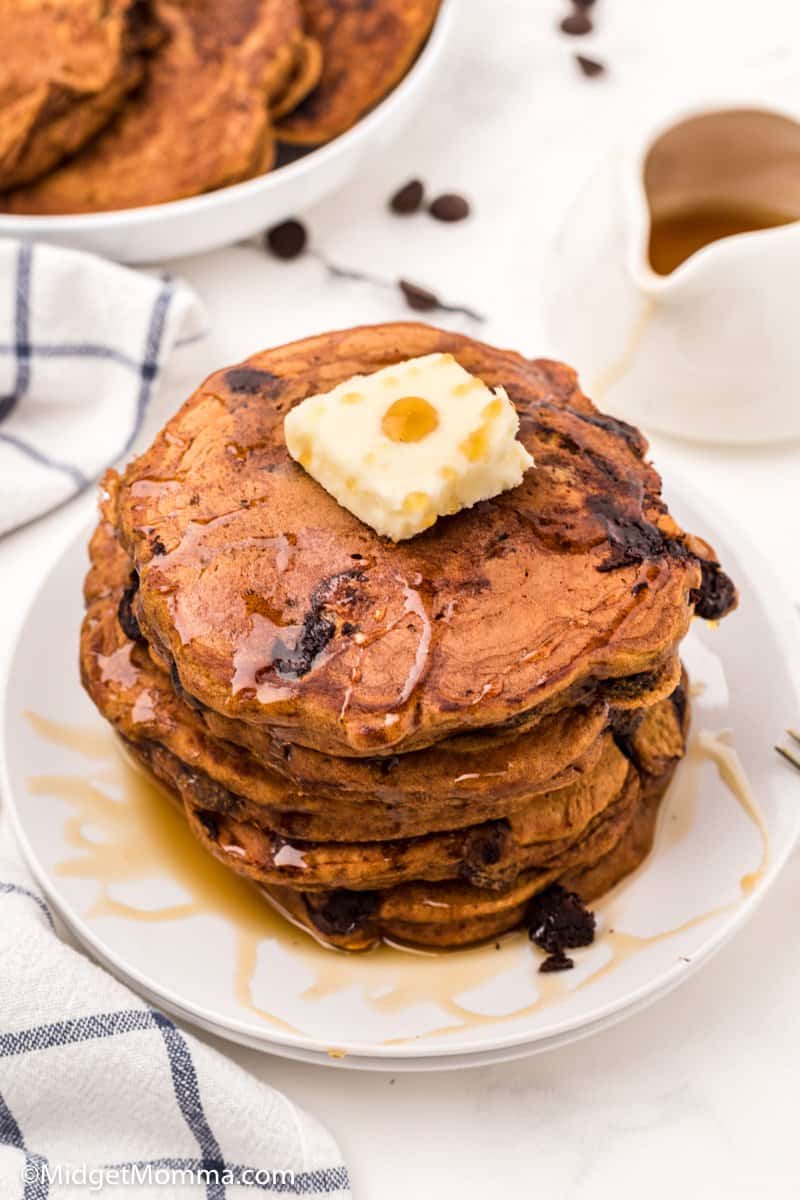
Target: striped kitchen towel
82	345
103	1095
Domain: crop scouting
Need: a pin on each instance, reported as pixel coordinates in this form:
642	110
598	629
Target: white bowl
200	223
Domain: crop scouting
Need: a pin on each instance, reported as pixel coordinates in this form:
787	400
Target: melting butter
409	443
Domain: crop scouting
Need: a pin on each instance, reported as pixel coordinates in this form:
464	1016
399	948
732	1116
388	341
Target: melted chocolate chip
679	703
157	547
210	794
408	199
556	962
632	539
315	633
632	436
125	615
317	628
558	920
341	911
716	595
251	382
210	825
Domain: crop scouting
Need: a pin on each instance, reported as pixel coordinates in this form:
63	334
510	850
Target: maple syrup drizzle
145	837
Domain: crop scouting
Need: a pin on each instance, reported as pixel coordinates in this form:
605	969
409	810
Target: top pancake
201	121
279	608
367	47
67	67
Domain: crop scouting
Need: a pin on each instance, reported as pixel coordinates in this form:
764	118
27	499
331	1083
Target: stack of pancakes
398	740
114	104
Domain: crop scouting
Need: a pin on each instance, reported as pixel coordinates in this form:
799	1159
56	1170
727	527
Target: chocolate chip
249	381
449	207
556	962
558	920
316	631
209	824
287	240
418	297
590	67
125	615
716	595
576	24
157	547
680	704
632	539
408	199
341	911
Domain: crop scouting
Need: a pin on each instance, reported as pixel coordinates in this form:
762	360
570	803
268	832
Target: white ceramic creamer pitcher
674	285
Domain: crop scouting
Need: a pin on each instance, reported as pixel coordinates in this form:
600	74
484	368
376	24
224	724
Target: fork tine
789	756
794	735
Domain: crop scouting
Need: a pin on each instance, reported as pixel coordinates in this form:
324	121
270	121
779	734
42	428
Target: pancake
552	828
303	76
72	65
275	607
303	793
367	47
201	120
449	915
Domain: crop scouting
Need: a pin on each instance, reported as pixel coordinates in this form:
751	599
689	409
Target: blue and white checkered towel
100	1089
82	345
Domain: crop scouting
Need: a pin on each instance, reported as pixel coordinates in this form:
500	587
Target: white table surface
698	1094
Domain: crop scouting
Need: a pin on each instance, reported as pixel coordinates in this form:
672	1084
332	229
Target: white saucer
104	867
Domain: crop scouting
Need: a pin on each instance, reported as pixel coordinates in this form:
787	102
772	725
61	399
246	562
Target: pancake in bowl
72	65
201	120
367	46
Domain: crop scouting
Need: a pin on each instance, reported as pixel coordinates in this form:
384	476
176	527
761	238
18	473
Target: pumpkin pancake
303	76
73	63
274	606
550	829
304	794
367	47
452	914
201	120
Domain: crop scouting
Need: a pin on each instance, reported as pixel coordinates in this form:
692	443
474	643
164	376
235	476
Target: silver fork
791	756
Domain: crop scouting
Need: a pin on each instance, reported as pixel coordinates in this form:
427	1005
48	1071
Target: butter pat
415	441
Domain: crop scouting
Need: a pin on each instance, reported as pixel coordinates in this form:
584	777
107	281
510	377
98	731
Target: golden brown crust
254	580
298	792
304	75
448	914
367	47
201	120
67	68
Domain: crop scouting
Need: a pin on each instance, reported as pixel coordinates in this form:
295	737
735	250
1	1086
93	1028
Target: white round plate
200	223
118	865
